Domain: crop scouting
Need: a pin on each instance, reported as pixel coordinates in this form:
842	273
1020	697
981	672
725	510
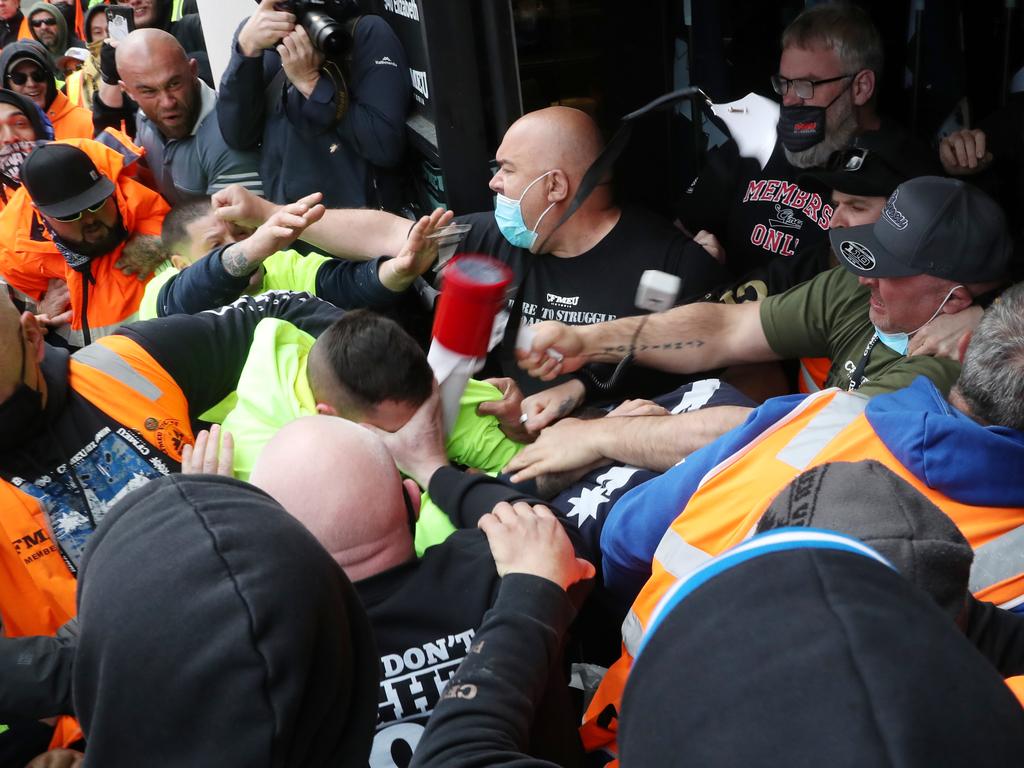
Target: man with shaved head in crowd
586	269
177	124
424	610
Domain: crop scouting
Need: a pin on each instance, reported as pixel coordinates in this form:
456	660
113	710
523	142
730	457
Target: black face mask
22	413
801	126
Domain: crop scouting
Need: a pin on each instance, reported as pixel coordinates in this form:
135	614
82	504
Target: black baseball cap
930	226
62	180
873	165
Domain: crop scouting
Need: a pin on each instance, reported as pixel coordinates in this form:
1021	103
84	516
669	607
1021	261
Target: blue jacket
304	148
941	446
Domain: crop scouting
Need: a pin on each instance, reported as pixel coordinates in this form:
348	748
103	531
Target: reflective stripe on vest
1000	559
116	367
724	510
76	336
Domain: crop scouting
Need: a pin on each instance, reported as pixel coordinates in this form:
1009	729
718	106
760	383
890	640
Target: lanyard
857	377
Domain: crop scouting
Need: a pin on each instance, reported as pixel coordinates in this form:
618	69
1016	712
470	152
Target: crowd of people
778	523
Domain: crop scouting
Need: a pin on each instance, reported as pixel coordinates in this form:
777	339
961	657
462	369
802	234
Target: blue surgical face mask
900	342
508	214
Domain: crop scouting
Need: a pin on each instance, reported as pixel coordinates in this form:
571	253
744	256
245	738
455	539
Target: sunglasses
20	78
76	216
37	23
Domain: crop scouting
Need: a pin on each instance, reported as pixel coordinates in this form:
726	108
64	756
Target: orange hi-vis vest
813	373
29	258
731	498
37	589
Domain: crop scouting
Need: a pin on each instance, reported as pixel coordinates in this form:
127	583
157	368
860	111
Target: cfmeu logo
26	543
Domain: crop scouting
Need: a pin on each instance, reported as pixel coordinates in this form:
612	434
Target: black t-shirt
758	215
424	614
595	286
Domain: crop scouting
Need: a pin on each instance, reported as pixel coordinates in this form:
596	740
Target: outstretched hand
418	253
571	444
212	454
418	448
549	405
283	228
529	539
508	410
237	205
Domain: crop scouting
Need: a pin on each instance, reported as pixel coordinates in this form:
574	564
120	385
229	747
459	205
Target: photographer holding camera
323	91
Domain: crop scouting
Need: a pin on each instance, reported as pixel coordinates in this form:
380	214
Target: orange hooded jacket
29	258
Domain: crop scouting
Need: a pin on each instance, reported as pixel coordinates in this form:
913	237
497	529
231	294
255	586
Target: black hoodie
776	653
215	630
36	51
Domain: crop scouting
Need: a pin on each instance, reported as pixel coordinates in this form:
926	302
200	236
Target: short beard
838	133
114	237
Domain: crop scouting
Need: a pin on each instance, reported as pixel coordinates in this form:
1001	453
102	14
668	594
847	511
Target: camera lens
327	34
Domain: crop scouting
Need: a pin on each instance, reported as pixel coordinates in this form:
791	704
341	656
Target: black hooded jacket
30	49
215	630
794	656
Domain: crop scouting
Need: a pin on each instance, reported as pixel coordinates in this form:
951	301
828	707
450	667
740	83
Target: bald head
555	137
339	480
163	81
144	46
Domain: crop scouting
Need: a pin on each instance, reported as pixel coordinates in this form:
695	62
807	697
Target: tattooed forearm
693	343
234	261
565	407
143	254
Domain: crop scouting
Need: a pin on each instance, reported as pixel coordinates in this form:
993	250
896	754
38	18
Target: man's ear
961	347
34	334
124	88
415	494
193	67
863	87
326	410
558	186
959	300
179	262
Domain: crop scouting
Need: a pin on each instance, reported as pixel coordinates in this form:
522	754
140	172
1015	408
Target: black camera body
326	23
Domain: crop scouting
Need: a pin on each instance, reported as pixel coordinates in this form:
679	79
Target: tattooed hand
278	232
550	405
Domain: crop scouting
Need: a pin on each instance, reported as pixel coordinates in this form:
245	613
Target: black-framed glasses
804	89
20	78
48	22
77	216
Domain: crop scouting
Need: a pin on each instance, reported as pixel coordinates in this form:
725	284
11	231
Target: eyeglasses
77	216
37	23
804	89
20	78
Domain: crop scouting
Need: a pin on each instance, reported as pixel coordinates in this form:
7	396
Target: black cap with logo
930	226
873	165
62	180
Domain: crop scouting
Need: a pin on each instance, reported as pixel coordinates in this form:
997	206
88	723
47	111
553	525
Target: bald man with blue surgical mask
585	269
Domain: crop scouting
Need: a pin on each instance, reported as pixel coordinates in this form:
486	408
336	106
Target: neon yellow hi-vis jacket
273	390
284	271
